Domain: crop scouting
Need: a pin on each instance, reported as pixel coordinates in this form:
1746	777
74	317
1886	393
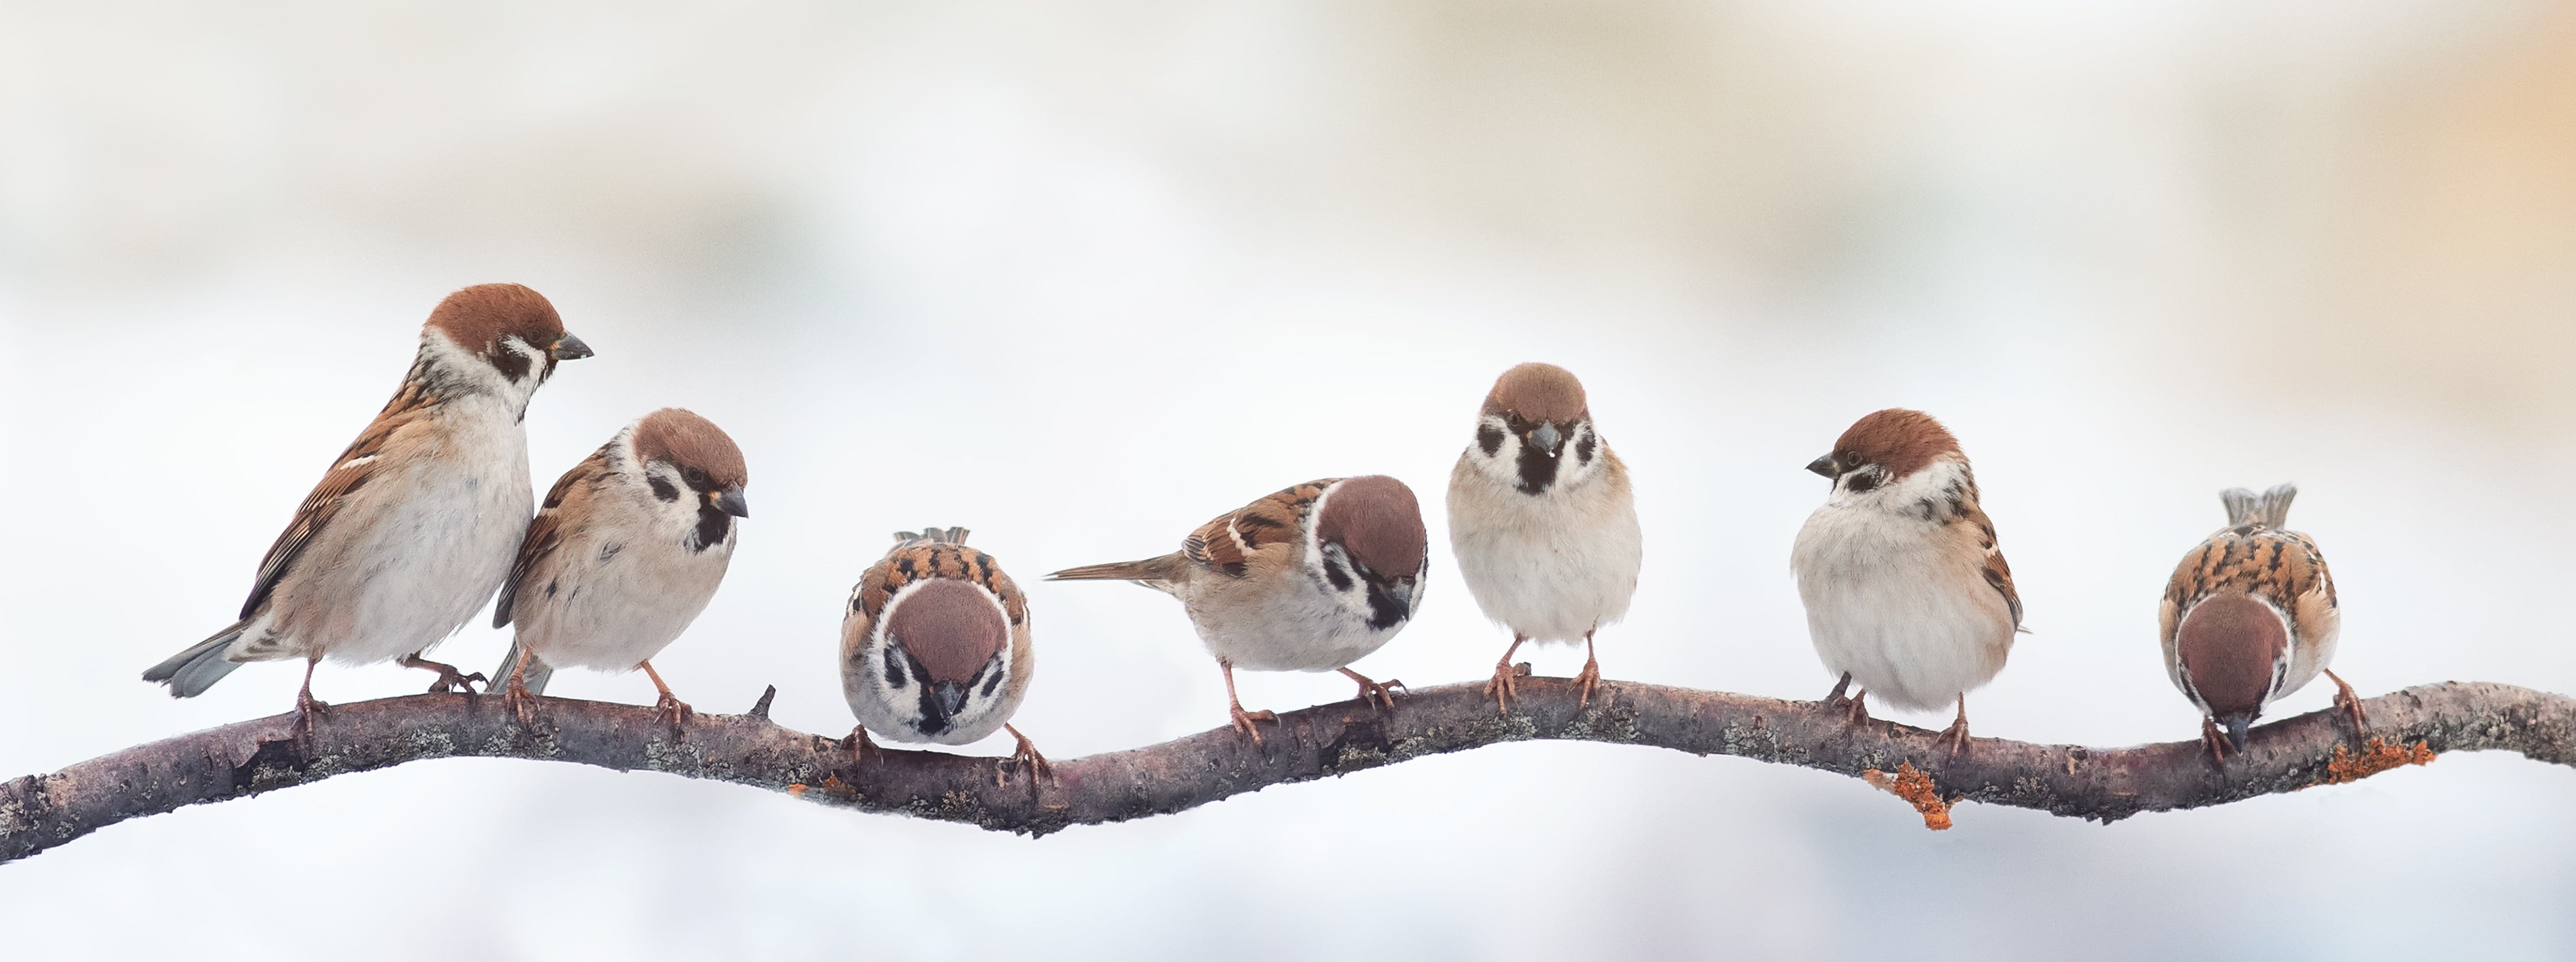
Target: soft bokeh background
1081	278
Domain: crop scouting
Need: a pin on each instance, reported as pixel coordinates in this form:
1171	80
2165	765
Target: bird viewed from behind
2250	616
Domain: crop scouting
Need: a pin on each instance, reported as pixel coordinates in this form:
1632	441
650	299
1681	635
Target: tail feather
906	539
538	671
190	672
2270	509
1167	568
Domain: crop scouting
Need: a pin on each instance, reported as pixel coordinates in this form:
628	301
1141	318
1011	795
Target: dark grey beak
2236	725
1547	438
731	502
1826	466
939	703
569	348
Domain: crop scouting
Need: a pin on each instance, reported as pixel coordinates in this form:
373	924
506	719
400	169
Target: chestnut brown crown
1539	393
1899	441
682	439
1377	521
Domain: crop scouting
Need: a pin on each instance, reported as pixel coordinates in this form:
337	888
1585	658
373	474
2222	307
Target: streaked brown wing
1231	541
567	499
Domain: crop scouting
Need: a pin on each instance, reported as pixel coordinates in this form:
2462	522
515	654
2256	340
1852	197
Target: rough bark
38	812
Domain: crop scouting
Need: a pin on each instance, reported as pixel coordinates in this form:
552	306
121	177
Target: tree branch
38	812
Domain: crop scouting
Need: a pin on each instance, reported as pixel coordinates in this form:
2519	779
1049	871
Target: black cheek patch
893	669
1583	449
1861	482
1489	438
663	489
512	364
991	683
1333	572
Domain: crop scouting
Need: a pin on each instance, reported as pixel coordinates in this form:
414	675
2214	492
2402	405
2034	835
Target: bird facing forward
1542	520
2249	617
1906	592
935	646
628	547
413	527
1311	578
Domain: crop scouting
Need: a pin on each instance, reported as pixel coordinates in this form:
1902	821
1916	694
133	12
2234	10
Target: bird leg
448	677
1028	758
669	706
2214	740
860	746
2346	700
1372	692
515	694
307	708
1502	689
1243	719
1957	734
1855	708
1590	677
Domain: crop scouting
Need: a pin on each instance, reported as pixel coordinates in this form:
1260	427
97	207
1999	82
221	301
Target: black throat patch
1537	470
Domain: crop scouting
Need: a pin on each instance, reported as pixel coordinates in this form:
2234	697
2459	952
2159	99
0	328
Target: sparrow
1906	593
2249	617
628	547
1311	578
415	524
1542	520
935	646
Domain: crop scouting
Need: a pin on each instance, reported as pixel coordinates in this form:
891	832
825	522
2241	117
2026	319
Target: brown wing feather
1998	573
545	531
1235	540
2281	567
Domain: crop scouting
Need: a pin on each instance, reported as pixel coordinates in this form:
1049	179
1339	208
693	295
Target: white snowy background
1082	276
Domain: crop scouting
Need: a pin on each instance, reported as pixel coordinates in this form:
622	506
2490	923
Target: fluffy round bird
2249	617
935	646
1906	592
413	527
626	551
1311	578
1542	520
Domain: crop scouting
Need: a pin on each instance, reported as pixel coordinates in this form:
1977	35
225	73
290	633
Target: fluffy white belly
1298	630
1552	572
1912	625
615	614
408	560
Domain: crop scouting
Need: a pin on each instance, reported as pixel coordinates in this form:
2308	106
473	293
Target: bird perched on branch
628	547
935	646
413	527
1312	578
2249	617
1542	520
1907	594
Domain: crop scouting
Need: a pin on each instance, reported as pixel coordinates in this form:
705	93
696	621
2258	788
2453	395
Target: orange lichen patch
1916	789
796	790
2377	757
834	784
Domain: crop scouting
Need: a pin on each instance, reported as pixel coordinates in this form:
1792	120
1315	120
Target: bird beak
730	502
1547	438
1826	466
2236	730
569	348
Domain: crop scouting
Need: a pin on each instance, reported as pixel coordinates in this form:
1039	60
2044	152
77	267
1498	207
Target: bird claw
1504	687
1586	681
2214	740
1377	694
2351	703
521	702
860	745
1855	708
1027	757
1243	721
1955	736
673	710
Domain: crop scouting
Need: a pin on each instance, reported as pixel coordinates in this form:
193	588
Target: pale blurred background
1081	276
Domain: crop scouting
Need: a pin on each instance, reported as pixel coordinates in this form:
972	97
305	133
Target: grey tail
2270	509
190	672
906	539
1167	569
538	671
